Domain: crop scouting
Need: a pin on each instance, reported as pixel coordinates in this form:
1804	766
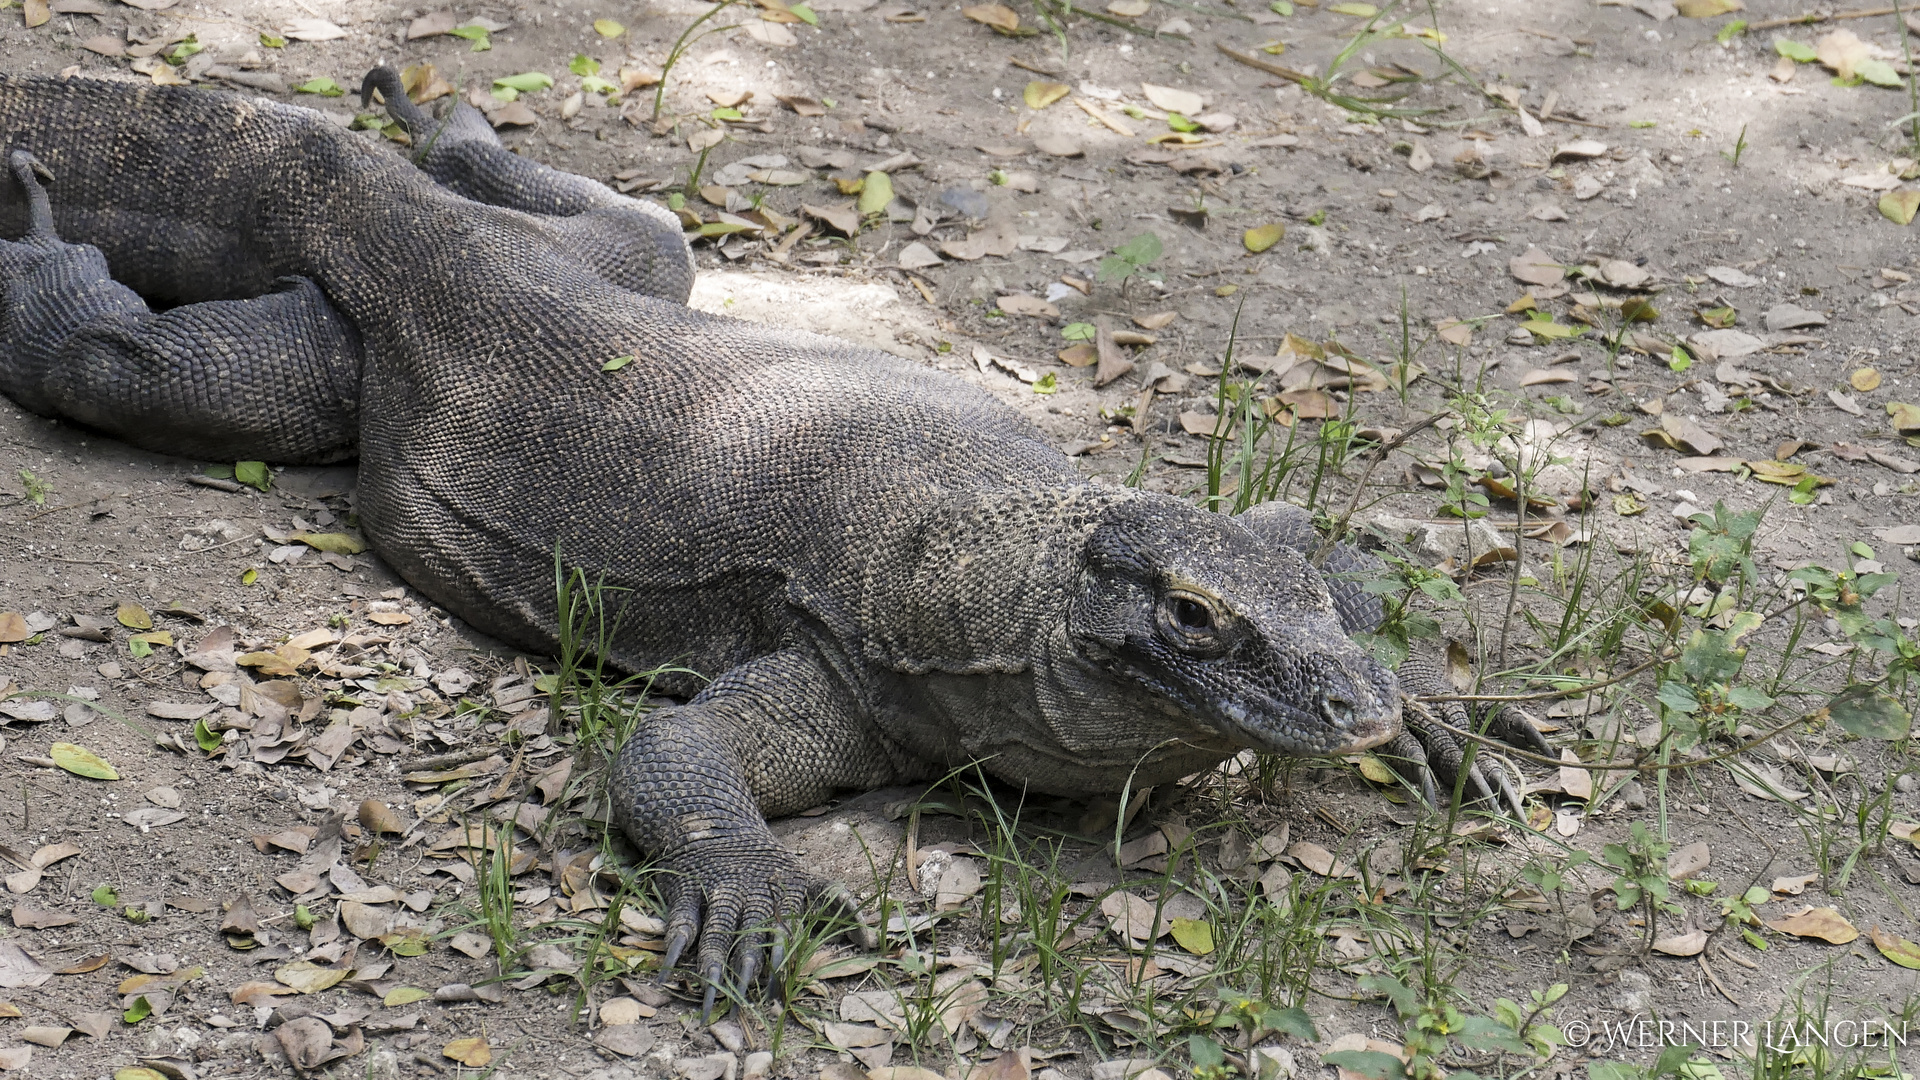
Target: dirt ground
1709	182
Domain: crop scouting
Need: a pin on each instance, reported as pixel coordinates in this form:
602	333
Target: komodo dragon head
1220	630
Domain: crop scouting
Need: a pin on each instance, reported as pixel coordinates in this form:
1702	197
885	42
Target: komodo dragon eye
1191	621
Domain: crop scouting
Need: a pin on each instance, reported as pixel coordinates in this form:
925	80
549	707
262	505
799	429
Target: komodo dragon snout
1239	636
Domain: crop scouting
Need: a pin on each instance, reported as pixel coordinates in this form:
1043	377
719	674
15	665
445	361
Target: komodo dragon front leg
1423	751
275	377
696	783
633	243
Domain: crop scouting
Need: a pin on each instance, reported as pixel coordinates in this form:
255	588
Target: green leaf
1794	50
138	1011
1486	1033
1869	712
1193	935
208	739
594	84
1613	1070
1292	1021
583	65
876	193
323	86
1752	699
1897	949
1670	1061
1280	7
273	41
1371	1064
805	14
527	82
616	363
140	649
1678	360
1181	123
1078	331
1643	124
1730	31
475	34
726	113
607	28
1679	697
1878	72
1261	237
1206	1053
249	576
1357	10
1140	250
81	761
1900	206
183	49
1046	384
254	474
106	896
404	995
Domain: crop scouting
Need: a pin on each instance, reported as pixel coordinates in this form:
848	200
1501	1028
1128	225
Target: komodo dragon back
876	571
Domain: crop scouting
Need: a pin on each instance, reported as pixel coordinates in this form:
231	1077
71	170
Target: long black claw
776	956
749	964
676	944
712	978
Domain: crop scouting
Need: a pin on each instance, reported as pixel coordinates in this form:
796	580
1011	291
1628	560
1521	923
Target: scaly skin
885	571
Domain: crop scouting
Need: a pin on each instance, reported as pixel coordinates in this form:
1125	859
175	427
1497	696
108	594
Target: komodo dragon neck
977	629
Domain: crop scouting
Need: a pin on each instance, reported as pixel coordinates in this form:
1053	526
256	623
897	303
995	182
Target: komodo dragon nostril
1337	709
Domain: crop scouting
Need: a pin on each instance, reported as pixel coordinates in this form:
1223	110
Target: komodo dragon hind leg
1427	756
275	377
633	243
773	736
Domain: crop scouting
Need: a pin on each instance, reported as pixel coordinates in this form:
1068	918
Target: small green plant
1739	147
1130	260
35	489
1640	878
681	44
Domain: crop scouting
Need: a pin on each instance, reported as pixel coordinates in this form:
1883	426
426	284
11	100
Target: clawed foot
1430	757
739	911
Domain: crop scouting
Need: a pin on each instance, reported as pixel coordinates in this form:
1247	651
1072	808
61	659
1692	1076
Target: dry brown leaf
1794	886
1536	267
1688	861
1319	860
1690	943
1816	922
1000	17
1129	915
1575	781
474	1053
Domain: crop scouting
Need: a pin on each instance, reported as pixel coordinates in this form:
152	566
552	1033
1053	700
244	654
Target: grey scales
873	571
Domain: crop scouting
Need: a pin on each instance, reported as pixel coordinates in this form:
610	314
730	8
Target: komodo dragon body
884	570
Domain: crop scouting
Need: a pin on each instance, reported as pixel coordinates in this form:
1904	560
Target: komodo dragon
886	571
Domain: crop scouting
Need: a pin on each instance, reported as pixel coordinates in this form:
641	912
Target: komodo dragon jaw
1239	639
